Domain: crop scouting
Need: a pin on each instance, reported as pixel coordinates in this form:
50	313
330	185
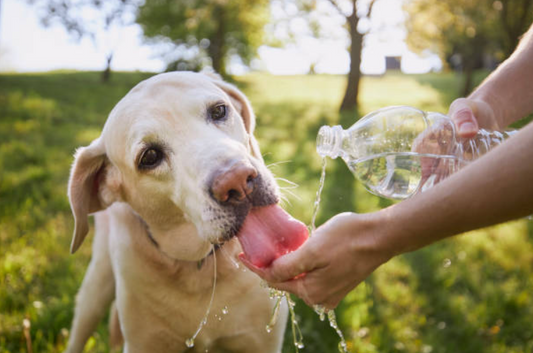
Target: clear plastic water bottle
399	151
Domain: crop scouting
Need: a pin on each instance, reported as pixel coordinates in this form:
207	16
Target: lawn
468	294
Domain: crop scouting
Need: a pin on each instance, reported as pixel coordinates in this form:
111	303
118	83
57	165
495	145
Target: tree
469	30
353	12
318	14
216	29
89	18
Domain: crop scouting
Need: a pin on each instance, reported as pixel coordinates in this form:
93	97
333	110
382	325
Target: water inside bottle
399	175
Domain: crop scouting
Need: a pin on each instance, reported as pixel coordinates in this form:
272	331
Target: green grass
468	294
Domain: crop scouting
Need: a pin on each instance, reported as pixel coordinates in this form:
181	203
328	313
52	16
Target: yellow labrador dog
175	171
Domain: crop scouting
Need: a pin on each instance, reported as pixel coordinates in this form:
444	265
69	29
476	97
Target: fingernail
467	128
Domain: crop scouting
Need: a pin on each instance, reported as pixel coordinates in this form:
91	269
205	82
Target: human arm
345	250
495	188
505	96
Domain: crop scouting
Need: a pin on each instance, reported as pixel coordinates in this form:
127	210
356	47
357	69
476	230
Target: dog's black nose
233	183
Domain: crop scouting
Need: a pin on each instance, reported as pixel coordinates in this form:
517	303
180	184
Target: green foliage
469	294
73	14
472	28
218	29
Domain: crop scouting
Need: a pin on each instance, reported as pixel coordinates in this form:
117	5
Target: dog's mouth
263	228
269	232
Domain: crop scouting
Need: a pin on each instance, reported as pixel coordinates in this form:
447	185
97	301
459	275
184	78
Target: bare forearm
496	188
509	89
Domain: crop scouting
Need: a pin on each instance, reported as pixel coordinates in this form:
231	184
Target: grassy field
469	294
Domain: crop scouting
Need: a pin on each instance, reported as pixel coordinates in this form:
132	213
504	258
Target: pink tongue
268	233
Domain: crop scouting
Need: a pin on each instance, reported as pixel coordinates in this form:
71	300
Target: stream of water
320	310
189	342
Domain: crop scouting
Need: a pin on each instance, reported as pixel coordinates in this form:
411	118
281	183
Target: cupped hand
339	255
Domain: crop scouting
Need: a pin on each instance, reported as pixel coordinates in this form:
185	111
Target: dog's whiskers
288	191
292	185
284	201
275	164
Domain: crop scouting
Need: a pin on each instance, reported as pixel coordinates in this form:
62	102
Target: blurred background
303	64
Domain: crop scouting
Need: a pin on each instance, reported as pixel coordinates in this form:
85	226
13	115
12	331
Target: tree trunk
514	26
217	46
468	78
350	100
106	74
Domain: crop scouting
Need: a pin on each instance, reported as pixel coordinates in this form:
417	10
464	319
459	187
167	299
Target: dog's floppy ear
243	106
86	179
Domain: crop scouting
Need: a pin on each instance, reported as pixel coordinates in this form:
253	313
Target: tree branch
370	7
336	6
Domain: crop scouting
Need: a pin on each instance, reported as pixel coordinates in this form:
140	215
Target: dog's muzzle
236	188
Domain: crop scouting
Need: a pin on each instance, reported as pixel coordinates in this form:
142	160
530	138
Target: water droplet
268	328
295	322
321	311
225	310
189	343
343	347
299	345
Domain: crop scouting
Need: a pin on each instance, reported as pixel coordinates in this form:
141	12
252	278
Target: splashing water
297	336
189	342
343	347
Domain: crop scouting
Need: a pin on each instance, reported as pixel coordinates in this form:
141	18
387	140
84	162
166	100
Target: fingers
293	264
286	267
462	112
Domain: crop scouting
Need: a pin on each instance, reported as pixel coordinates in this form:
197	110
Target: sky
26	46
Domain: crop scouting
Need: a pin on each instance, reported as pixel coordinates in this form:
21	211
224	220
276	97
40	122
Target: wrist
380	239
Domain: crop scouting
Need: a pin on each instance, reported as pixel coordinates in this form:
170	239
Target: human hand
339	255
469	115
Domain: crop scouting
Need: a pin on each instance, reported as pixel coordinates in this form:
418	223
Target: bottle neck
329	141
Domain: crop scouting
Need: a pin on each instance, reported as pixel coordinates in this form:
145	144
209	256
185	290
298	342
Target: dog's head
179	149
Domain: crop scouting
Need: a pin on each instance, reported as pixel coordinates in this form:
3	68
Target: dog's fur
155	228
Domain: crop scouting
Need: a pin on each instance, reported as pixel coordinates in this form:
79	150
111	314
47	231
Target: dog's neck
154	242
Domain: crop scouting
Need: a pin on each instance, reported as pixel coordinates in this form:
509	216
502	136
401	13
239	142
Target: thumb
462	114
293	264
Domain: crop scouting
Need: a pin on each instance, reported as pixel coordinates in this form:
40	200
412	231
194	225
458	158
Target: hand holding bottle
347	248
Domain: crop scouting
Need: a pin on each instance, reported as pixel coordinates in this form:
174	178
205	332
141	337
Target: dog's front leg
97	290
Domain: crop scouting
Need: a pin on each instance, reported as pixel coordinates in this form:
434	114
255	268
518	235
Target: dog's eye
150	158
218	112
